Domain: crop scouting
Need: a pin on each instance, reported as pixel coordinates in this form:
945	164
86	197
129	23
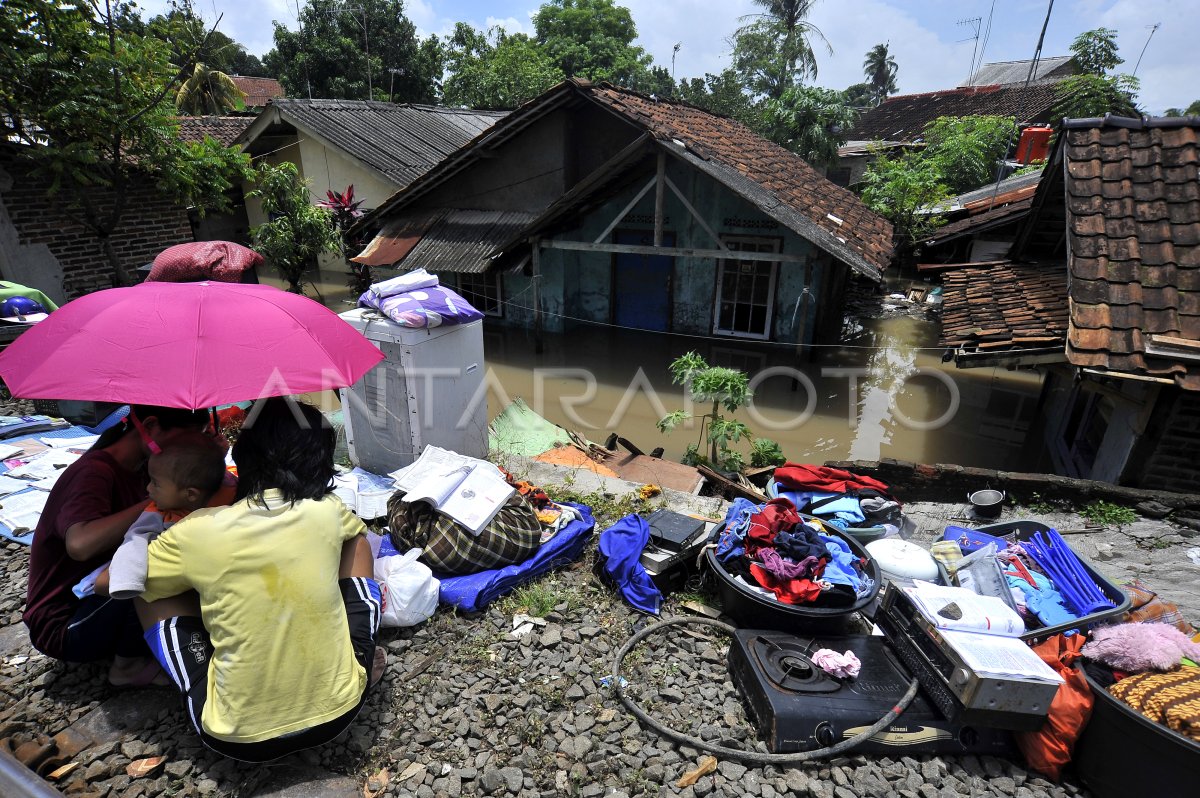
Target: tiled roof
1133	223
1001	214
1004	307
401	142
258	91
224	129
778	181
1007	73
905	116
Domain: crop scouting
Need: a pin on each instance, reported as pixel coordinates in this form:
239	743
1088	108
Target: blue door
642	284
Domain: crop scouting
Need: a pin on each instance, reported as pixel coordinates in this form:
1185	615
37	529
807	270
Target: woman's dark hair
286	445
168	418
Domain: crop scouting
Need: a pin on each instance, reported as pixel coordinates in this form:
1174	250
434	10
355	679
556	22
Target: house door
642	283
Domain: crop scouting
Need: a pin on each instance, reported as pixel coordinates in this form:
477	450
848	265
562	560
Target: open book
983	630
466	489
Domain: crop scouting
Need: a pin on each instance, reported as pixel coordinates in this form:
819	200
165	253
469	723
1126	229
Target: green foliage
765	452
590	39
496	70
772	52
880	69
91	95
183	30
208	92
297	231
900	188
1191	110
721	94
1086	96
811	122
966	149
1102	513
859	96
326	57
1095	51
722	387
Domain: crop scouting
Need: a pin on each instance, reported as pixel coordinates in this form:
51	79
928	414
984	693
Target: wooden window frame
777	246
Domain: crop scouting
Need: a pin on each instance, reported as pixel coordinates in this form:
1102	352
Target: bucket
987	503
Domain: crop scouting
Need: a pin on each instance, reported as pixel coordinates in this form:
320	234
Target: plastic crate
1022	530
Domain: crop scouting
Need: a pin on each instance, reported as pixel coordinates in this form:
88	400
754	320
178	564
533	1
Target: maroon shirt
93	487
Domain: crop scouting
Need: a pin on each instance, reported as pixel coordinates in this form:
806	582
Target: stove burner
788	667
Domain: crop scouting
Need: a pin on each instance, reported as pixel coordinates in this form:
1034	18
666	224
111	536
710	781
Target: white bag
410	593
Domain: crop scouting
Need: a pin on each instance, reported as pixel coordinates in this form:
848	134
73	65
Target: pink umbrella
186	345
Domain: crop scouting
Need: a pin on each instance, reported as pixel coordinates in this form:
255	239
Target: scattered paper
9	485
1194	555
82	442
44	465
415	769
9	452
22	510
707	765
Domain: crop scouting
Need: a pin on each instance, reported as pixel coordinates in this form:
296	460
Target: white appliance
428	389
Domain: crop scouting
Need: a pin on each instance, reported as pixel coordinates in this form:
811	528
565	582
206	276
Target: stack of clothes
416	299
792	558
838	497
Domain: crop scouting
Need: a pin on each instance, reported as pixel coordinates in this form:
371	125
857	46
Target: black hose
734	753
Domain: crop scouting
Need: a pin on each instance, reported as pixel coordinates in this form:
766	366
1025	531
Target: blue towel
732	536
473	592
622	545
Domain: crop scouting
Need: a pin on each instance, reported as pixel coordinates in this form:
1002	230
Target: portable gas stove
798	707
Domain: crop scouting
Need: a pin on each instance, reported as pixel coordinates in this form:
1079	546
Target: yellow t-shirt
269	597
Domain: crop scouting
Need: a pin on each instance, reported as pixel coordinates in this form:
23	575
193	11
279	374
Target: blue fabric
801	541
1043	601
622	545
846	509
730	541
473	592
841	569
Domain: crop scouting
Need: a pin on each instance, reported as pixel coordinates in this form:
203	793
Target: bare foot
136	672
378	665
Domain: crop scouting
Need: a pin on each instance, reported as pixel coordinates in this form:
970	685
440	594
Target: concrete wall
44	245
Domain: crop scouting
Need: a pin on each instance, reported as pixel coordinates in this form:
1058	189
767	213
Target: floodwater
882	392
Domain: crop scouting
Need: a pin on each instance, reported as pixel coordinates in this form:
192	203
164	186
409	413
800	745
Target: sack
223	261
1049	748
409	591
513	536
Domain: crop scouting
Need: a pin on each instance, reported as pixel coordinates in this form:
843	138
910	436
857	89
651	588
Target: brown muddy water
882	392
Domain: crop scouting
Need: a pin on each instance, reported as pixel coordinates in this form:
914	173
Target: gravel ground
466	709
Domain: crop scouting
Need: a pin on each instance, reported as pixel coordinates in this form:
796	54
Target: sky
933	41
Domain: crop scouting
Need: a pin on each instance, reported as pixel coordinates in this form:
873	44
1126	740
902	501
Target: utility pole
392	83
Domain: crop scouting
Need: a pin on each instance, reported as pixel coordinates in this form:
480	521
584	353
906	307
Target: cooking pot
987	503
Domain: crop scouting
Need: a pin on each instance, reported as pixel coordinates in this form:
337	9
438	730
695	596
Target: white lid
903	559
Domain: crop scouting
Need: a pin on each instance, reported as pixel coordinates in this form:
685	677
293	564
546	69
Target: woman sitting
264	613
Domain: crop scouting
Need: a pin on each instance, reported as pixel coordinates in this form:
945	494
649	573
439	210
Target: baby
183	478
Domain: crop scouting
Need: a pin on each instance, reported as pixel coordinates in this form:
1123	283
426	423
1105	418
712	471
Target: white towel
409	281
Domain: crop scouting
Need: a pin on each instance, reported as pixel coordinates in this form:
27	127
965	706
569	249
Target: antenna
674	52
1152	28
974	23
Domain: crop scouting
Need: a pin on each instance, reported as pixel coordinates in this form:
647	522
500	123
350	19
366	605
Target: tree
185	32
1192	110
860	96
902	189
208	92
1094	92
811	122
590	39
772	52
496	71
346	51
880	68
966	149
722	94
298	231
91	98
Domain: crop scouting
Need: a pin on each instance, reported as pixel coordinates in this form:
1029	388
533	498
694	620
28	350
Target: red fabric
793	476
223	261
788	591
775	515
92	487
1049	748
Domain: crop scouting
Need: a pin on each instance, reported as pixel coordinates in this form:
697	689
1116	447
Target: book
468	490
365	493
982	630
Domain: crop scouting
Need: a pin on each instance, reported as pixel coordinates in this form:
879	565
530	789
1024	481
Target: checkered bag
448	548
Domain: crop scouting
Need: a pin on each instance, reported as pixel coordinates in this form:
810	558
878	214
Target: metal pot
987	503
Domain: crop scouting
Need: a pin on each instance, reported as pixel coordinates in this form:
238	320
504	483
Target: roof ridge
1130	122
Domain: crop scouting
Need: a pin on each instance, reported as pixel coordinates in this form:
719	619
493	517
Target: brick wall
150	224
1175	463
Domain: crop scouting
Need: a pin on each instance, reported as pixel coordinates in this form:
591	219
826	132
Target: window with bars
746	290
482	291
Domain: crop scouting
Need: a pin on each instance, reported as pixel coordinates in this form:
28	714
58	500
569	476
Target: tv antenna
1152	28
974	22
674	52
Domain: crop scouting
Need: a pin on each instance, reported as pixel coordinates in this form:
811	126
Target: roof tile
904	117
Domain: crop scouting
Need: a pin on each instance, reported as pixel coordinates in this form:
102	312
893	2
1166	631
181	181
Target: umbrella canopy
188	345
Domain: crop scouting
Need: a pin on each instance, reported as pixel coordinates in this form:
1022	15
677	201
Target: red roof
1003	307
222	128
904	117
258	91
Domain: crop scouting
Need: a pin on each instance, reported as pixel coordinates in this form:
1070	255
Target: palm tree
773	51
208	92
880	69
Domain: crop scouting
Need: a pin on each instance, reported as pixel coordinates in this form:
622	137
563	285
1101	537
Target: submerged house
596	204
1102	293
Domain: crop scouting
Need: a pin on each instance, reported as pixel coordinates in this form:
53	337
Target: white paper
22	510
365	493
993	655
9	452
44	465
9	485
82	442
476	500
985	614
433	459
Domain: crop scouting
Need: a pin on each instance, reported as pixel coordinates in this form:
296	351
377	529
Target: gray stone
491	781
513	778
306	782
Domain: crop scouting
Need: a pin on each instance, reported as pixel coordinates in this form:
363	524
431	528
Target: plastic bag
1049	748
409	590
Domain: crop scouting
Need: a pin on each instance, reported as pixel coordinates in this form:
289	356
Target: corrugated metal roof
1009	72
452	241
402	142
